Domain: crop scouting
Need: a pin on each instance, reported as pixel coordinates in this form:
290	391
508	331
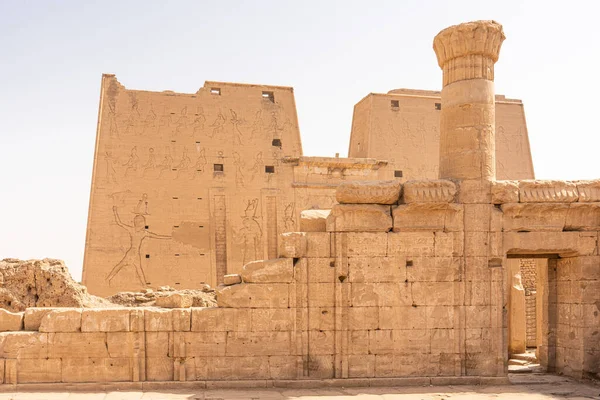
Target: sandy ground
523	387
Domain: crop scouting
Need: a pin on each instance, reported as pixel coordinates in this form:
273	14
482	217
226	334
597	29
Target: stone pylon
467	53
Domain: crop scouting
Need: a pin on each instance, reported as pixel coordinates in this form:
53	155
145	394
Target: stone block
365	243
174	300
368	192
429	191
41	370
126	344
156	319
77	345
361	366
413	341
583	217
358	342
33	317
402	317
445	217
530	217
10	321
407	244
292	245
271	319
566	244
318	244
449	244
265	343
279	270
381	342
313	220
62	320
318	270
320	294
321	342
221	319
384	365
321	318
477	244
23	345
284	367
477	217
376	269
433	269
361	318
380	294
236	368
136	320
478	293
433	293
589	191
105	320
439	316
478	316
505	192
159	369
232	279
254	295
534	191
158	344
320	367
473	191
205	344
182	319
96	369
359	218
407	365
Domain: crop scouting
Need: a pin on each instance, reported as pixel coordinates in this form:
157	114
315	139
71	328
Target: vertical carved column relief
220	216
271	227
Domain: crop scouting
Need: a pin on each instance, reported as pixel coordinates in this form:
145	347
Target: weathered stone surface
431	191
359	218
566	244
505	192
41	283
531	191
10	321
232	279
292	244
175	300
428	217
589	191
254	295
368	192
38	371
279	270
33	317
107	320
62	320
530	217
219	319
583	217
23	345
313	220
156	320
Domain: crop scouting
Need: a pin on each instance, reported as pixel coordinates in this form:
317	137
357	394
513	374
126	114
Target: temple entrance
532	312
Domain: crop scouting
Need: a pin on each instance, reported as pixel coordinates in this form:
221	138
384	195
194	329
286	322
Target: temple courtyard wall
376	292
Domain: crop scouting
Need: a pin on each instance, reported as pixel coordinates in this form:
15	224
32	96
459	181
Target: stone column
467	53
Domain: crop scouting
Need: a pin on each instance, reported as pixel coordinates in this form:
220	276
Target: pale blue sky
332	52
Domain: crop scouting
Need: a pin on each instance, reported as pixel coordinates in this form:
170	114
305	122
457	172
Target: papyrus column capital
469	50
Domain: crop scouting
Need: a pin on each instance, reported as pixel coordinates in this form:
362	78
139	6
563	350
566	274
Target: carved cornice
469	50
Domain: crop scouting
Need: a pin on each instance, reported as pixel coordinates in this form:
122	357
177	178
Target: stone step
524	356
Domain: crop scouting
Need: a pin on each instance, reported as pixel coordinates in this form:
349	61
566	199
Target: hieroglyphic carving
289	217
200	165
220	218
217	125
164	121
132	258
181	124
257	125
150	163
134	115
239	169
184	164
132	163
250	235
236	122
198	124
141	208
272	227
165	165
111	174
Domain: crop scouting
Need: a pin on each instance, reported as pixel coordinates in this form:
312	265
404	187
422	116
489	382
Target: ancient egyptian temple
430	255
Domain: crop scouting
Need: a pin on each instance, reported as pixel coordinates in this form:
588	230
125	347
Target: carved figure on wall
184	163
164	121
132	163
166	164
257	125
236	122
111	174
258	164
289	217
113	128
200	164
134	115
150	121
141	207
199	121
274	127
151	163
217	125
250	235
239	169
182	121
137	233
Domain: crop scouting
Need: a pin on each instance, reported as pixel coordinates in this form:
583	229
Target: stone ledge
260	383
